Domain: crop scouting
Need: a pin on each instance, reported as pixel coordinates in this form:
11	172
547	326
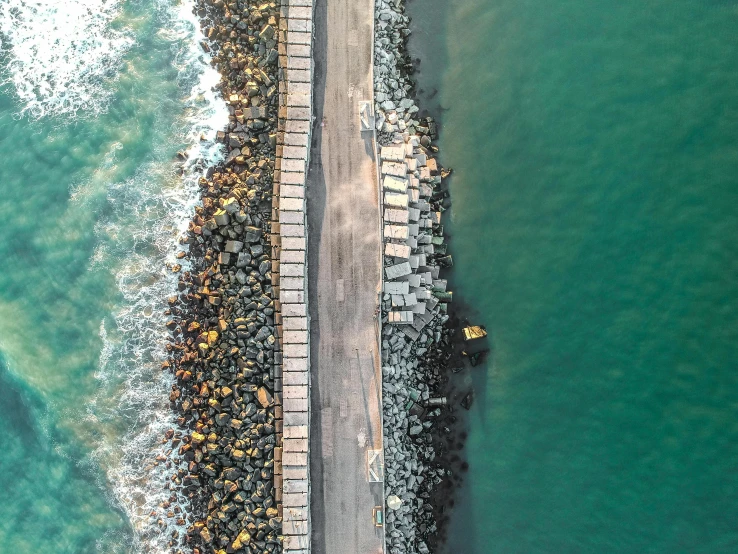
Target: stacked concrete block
289	241
411	231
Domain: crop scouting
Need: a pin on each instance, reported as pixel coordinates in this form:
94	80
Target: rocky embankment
417	338
224	338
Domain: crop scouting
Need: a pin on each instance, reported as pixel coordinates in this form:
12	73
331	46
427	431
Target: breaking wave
137	242
61	55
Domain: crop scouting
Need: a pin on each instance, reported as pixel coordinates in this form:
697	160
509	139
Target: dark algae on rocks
224	339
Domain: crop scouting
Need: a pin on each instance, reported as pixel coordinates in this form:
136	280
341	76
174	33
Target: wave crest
61	55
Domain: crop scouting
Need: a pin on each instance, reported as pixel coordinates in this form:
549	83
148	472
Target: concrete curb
289	246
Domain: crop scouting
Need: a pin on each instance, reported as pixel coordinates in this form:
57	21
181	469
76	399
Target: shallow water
93	202
593	230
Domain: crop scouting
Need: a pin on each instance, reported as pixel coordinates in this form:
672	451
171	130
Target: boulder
222	218
264	397
233	246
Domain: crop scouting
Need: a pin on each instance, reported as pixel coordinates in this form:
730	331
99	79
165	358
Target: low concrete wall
289	245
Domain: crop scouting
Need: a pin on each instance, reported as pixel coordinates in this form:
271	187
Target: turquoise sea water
96	99
594	224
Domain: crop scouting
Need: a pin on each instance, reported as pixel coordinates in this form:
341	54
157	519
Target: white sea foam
61	55
149	213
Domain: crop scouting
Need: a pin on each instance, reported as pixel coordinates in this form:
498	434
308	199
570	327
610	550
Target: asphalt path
344	265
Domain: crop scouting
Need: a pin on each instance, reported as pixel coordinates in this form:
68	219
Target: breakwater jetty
282	389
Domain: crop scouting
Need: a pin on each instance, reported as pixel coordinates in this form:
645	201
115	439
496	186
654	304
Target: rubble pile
224	342
417	331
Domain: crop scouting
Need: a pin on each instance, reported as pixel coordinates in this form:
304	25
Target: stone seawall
289	246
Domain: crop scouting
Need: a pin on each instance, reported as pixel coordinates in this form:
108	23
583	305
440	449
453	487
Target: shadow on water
427	48
315	198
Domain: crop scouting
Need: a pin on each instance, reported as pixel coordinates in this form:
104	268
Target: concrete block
296	500
299	50
299	37
296	432
293	243
299	12
292	270
300	88
294	351
293	126
292	283
292	256
296	542
308	3
295	391
394	168
293	310
299	365
295	445
292	230
397	250
392	153
302	25
291	218
296	527
295	472
299	100
292	405
296	139
298	75
295	337
295	62
293	324
295	378
394	184
294	459
292	191
295	514
292	178
396	287
295	485
396	216
296	418
292	204
398	232
294	112
295	165
294	152
396	200
404	317
397	270
291	296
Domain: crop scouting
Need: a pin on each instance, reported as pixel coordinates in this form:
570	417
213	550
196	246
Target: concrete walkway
344	276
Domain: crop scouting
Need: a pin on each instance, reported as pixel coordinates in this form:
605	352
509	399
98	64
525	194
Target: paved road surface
344	275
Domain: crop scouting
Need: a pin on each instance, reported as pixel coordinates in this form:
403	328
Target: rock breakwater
417	337
225	344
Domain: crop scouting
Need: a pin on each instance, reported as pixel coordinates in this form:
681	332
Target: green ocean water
92	202
594	224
